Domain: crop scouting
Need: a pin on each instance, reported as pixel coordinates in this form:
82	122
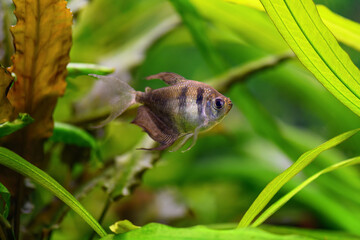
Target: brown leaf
42	38
6	110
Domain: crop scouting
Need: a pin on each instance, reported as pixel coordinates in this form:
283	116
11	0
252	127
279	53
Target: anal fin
156	128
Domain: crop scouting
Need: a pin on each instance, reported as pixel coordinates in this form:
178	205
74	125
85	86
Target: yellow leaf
6	109
42	38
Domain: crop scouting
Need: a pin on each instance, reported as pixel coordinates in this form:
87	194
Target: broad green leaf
73	135
22	120
316	47
18	164
4	201
78	69
273	187
70	134
196	25
279	203
162	232
123	227
314	233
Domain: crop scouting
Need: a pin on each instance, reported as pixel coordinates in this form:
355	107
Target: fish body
182	109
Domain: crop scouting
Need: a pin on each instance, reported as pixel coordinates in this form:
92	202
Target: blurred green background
278	114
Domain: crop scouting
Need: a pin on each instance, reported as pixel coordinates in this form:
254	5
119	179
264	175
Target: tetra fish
180	110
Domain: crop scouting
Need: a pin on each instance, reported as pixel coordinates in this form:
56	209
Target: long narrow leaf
345	30
278	204
18	164
273	187
316	47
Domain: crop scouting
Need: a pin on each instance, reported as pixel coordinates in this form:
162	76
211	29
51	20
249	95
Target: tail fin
123	96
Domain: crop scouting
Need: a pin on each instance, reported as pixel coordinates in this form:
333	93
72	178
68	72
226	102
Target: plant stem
102	215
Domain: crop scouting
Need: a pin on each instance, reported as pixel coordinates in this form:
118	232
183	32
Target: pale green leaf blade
18	164
21	121
78	69
279	203
162	232
273	187
345	30
316	47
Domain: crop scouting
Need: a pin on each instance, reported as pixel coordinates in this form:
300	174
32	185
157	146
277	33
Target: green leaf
345	30
78	69
70	134
18	164
123	226
196	25
4	201
278	204
316	47
314	233
22	120
273	187
161	232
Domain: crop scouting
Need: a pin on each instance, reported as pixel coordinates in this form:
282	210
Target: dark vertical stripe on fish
182	105
182	99
199	100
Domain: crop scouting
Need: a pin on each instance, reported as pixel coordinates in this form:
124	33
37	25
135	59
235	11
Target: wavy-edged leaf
316	47
22	120
20	165
6	110
162	232
42	38
279	203
273	187
4	201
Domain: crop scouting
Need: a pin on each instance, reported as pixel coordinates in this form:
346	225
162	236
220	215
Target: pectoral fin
168	77
156	128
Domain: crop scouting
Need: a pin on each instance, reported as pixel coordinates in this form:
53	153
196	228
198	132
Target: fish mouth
230	104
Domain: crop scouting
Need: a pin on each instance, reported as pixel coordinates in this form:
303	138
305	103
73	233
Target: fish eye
219	103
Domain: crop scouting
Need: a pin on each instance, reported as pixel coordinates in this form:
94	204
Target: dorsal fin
156	128
168	77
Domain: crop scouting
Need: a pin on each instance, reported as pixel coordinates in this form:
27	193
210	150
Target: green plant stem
238	74
18	164
103	214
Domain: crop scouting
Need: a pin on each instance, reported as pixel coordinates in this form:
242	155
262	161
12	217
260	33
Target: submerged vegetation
283	164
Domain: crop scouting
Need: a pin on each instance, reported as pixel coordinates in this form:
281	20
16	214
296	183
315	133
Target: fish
178	111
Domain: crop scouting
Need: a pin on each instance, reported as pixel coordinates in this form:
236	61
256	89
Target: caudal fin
122	97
